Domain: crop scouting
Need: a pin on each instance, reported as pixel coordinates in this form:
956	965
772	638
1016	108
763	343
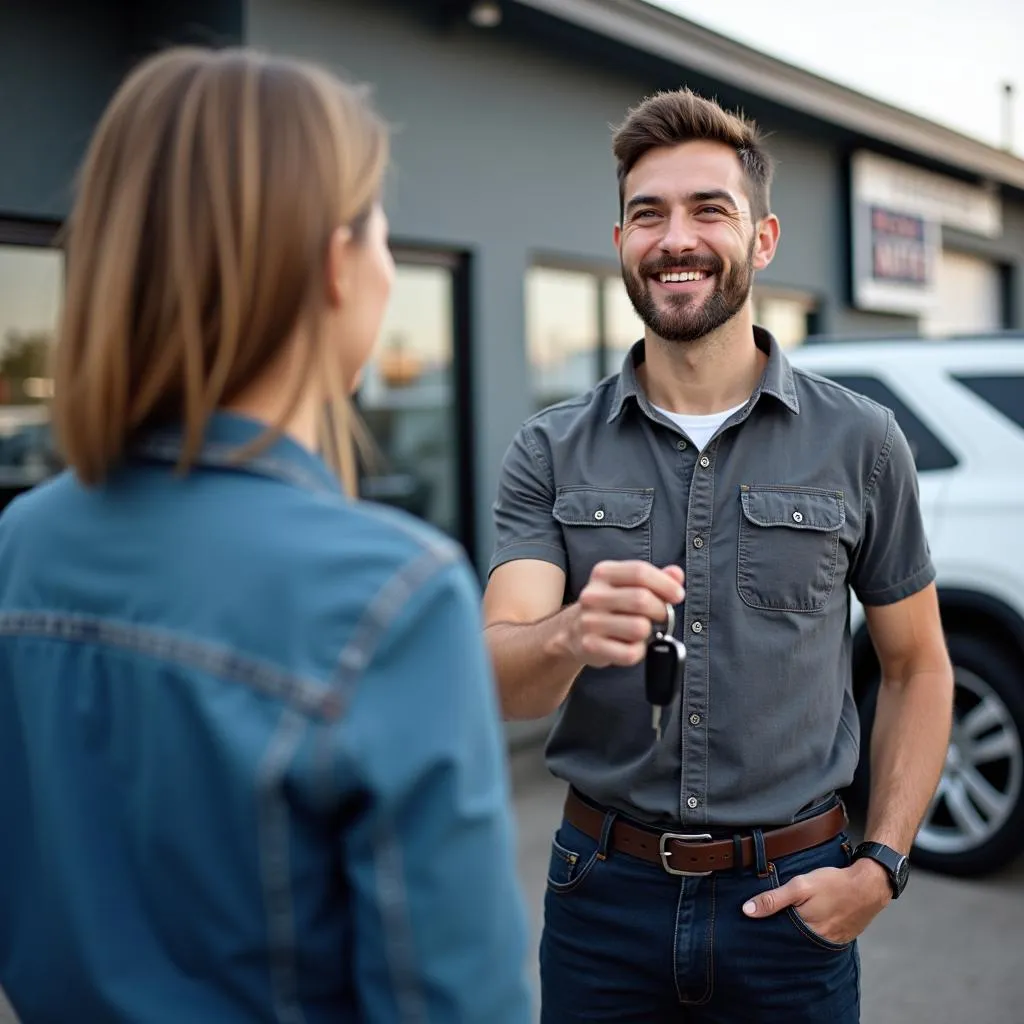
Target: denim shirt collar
226	433
777	379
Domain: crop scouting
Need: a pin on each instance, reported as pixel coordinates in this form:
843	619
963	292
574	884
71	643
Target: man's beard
681	318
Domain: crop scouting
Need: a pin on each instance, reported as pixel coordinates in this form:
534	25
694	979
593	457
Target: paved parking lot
950	952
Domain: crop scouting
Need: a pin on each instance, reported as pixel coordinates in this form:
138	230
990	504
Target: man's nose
680	234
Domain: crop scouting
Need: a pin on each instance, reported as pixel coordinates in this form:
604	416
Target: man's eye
713	210
644	213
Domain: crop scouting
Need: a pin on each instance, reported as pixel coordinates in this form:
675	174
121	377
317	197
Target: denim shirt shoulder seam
382	610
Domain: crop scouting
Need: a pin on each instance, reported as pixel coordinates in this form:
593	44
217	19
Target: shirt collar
283	459
777	379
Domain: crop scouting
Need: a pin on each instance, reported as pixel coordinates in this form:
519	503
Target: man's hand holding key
622	603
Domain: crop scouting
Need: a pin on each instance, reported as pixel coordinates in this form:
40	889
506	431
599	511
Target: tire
967	832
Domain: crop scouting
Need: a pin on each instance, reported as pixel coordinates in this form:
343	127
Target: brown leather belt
698	854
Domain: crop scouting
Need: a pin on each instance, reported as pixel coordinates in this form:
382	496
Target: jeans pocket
836	854
573	855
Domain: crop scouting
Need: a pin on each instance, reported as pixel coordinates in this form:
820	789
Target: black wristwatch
897	867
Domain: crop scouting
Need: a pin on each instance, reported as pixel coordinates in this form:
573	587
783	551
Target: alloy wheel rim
983	774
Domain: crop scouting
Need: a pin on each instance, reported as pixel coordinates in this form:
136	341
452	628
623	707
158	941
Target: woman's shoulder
376	555
374	573
364	529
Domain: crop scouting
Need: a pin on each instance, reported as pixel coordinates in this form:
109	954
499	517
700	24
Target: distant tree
24	356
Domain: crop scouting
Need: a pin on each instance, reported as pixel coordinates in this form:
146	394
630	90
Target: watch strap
894	862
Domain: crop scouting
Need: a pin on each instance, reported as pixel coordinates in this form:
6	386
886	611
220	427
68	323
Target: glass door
414	396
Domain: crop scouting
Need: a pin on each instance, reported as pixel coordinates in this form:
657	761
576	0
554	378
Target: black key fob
663	665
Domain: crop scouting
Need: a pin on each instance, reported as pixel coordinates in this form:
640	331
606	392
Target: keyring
670	621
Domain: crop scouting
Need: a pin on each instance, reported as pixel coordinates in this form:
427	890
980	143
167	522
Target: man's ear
617	237
338	266
768	231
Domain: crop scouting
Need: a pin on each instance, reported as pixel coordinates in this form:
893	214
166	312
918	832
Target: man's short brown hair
672	118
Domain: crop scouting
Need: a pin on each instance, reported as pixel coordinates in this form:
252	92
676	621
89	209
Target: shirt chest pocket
599	524
788	546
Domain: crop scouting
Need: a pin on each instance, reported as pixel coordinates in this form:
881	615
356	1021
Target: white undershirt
699	429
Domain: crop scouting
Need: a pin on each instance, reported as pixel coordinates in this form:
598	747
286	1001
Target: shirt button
692	803
697	628
798	517
599	514
695	719
681	444
698	542
704	462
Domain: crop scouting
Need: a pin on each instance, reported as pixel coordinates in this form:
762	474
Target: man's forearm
908	750
534	664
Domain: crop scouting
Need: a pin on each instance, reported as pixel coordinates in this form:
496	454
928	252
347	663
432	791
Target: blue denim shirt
252	766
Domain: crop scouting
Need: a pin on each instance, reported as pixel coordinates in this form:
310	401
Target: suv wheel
975	823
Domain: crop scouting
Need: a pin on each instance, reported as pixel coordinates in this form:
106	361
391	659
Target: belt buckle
684	837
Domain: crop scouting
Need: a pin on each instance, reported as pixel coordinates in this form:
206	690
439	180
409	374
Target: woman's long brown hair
197	246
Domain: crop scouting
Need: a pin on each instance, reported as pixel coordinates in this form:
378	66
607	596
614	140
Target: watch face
902	873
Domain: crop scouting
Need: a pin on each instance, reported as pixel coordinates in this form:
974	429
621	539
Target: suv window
929	452
1006	394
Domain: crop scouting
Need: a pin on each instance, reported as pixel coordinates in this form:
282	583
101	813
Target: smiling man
702	870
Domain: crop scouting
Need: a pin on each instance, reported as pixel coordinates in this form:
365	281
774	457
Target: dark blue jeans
625	941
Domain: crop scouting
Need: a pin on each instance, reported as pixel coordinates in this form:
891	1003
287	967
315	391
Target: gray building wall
503	149
59	61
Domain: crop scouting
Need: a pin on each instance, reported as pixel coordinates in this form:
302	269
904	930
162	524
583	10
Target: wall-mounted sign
894	260
898	212
899	247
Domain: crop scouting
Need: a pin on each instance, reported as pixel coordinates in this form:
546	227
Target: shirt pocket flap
797	508
599	506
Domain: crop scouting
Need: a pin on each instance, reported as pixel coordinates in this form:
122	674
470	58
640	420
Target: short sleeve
524	525
893	560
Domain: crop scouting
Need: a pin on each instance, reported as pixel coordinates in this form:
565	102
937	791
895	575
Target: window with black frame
31	287
579	323
412	396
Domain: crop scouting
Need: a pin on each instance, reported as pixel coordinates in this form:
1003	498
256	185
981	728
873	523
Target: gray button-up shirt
805	493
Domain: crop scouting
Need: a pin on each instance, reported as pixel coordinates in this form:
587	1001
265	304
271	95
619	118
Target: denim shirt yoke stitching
306	695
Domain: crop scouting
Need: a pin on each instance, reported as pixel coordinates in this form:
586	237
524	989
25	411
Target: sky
944	60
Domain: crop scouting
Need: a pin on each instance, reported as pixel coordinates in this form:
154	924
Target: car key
663	669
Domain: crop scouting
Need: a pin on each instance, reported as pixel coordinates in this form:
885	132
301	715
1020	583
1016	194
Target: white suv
961	404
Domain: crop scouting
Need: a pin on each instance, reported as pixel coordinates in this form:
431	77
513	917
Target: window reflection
786	315
561	333
31	281
407	398
623	328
